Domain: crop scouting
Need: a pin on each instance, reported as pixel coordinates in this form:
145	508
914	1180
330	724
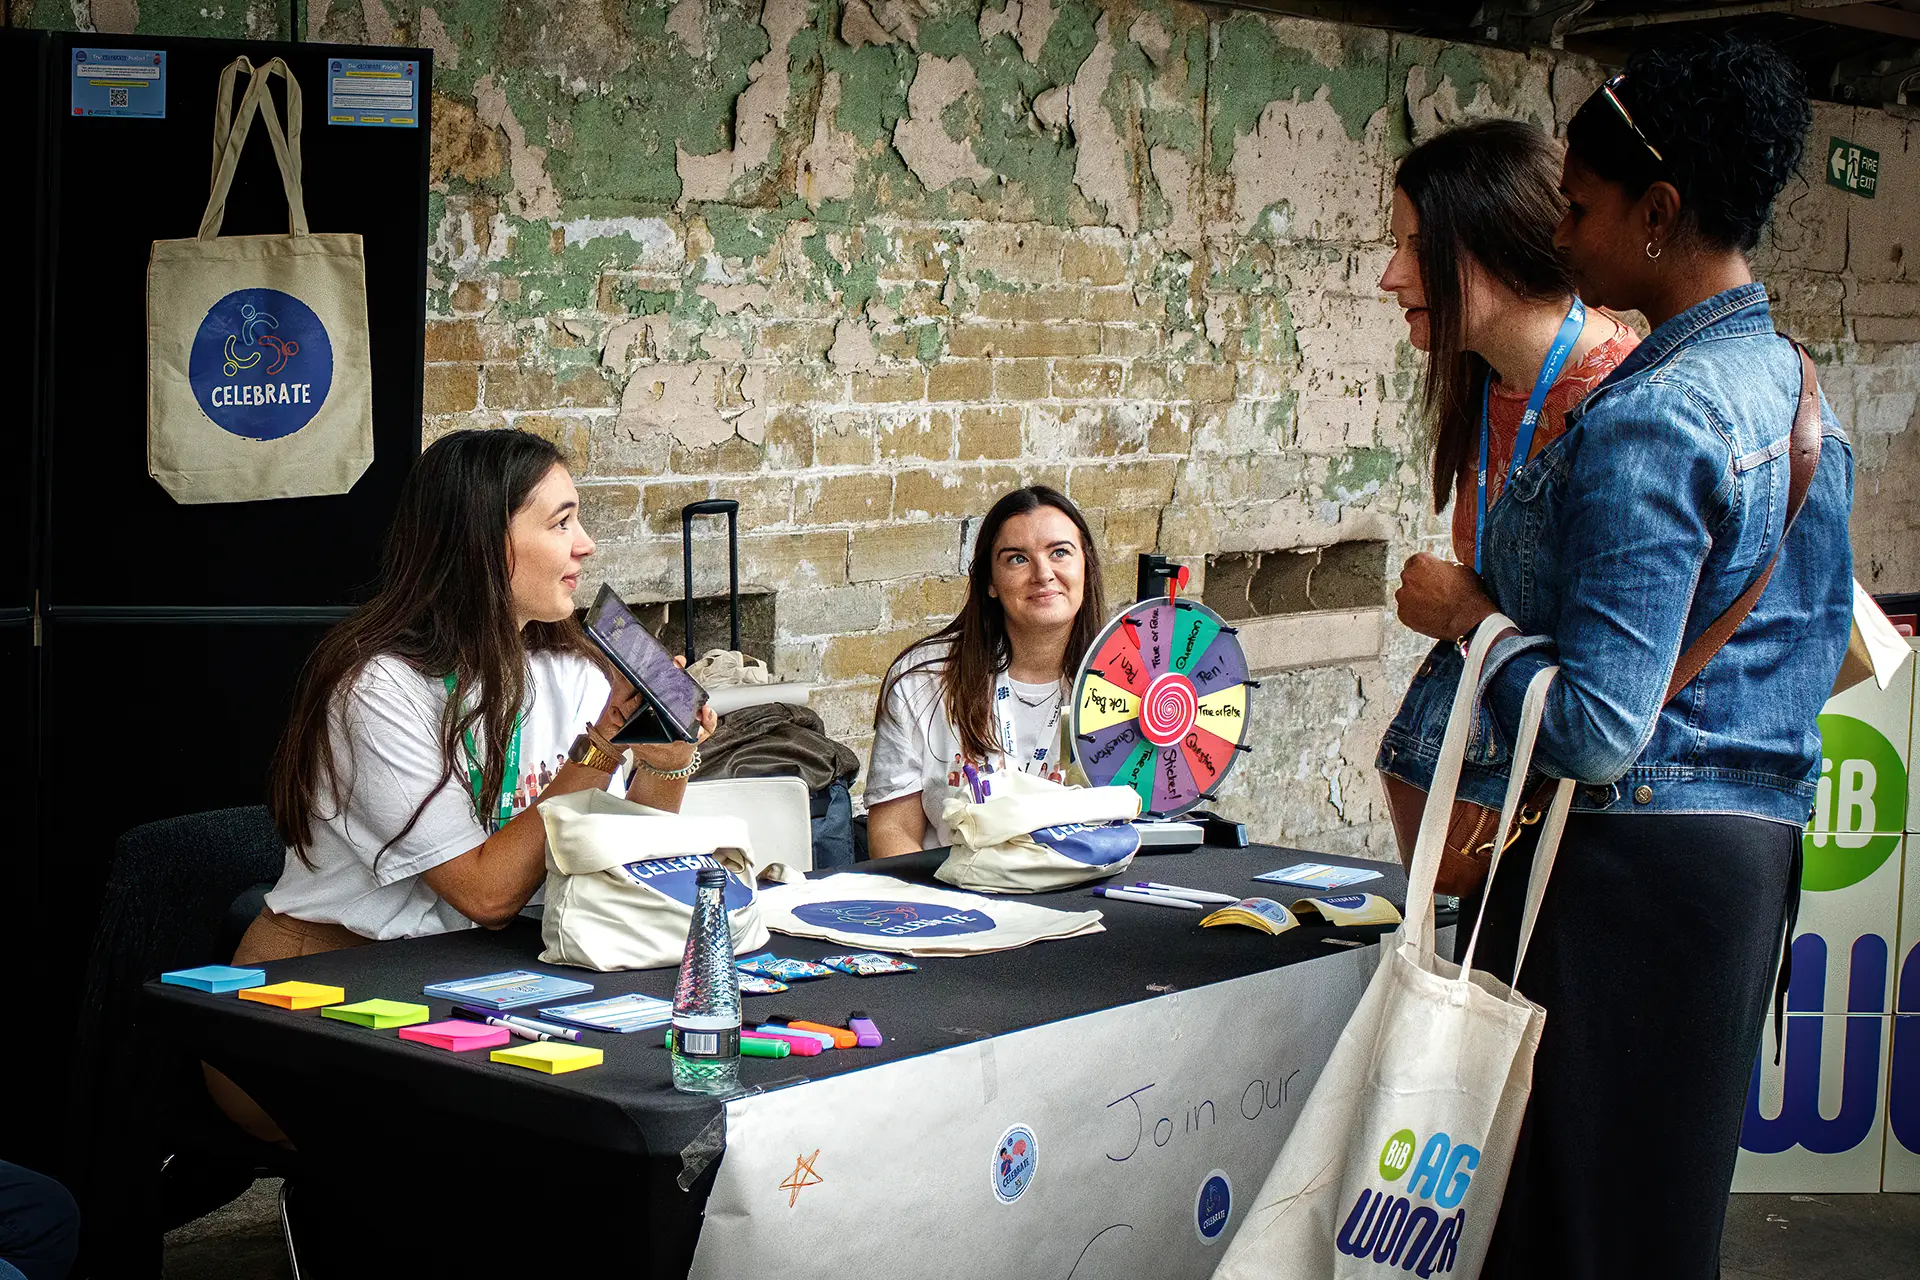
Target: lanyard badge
1523	439
509	776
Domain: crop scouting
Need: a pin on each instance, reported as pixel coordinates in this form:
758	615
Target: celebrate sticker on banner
261	364
1016	1157
893	919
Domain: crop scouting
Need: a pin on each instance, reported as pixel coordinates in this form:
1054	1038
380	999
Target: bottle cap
711	878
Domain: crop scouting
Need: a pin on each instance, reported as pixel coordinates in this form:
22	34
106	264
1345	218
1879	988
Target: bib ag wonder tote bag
258	369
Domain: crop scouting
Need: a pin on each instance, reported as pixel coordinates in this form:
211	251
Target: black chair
175	892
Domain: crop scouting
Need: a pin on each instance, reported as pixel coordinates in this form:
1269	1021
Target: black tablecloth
333	1085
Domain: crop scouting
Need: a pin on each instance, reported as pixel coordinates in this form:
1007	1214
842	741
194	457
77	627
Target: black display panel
116	537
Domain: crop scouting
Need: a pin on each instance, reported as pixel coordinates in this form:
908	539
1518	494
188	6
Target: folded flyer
1352	908
508	990
1319	875
631	1012
1263	914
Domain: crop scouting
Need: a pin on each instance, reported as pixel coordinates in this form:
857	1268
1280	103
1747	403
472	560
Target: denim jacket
1623	540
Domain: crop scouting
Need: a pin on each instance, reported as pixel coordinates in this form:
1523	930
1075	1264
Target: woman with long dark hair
1660	512
990	687
406	782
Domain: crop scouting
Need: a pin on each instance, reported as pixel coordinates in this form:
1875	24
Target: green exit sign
1852	168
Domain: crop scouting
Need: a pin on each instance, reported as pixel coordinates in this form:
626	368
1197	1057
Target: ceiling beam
1839	13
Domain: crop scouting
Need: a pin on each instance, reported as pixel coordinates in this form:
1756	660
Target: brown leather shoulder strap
1803	453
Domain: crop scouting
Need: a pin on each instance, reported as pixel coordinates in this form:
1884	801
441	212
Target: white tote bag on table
1400	1157
1035	836
258	364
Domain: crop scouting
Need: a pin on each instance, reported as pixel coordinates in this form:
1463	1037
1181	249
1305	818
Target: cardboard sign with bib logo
884	914
258	365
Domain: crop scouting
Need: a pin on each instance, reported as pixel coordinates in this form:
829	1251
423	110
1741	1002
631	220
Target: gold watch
591	754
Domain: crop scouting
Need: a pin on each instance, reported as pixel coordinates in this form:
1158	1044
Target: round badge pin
1212	1207
1015	1158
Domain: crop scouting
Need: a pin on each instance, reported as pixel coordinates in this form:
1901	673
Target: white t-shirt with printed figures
915	745
386	744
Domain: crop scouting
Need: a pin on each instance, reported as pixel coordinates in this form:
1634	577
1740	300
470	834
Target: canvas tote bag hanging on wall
258	370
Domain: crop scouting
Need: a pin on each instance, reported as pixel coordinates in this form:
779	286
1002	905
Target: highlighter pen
820	1038
1151	899
1192	895
865	1033
751	1046
525	1028
803	1045
841	1037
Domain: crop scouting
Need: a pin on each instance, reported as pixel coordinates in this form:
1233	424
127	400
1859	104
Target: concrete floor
1768	1238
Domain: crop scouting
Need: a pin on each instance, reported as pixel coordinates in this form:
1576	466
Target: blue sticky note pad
129	83
371	92
1319	875
216	978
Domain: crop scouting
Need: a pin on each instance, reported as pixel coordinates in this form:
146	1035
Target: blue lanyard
1523	439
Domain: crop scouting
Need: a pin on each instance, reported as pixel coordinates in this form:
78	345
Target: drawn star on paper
802	1176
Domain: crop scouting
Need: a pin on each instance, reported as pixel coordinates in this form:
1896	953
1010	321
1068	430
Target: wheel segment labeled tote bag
258	372
1400	1157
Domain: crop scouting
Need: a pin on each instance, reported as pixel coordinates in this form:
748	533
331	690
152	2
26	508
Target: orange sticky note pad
295	995
550	1056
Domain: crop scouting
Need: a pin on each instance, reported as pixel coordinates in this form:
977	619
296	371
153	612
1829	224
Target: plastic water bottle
706	999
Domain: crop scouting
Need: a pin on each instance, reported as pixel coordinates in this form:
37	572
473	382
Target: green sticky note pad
378	1014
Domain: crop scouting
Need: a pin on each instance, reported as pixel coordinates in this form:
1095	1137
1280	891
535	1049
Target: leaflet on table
1319	875
1352	908
1263	914
508	990
630	1012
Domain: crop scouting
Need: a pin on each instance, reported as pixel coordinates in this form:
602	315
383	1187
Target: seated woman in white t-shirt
430	723
990	687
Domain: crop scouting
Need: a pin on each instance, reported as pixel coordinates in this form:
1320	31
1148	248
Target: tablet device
670	699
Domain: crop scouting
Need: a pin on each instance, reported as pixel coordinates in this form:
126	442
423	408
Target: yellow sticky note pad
378	1014
295	995
551	1056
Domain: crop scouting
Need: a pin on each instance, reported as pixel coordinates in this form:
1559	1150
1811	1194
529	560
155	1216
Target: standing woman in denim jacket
1612	550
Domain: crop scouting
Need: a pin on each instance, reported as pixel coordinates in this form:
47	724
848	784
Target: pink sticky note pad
458	1035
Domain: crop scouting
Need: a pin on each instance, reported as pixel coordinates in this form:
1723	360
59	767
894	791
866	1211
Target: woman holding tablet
989	689
428	725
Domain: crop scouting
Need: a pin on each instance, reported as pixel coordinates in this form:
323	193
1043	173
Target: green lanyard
509	776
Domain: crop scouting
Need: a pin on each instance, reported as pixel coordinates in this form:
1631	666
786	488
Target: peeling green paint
1252	67
1359	472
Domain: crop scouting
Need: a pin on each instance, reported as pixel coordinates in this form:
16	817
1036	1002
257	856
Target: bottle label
695	1042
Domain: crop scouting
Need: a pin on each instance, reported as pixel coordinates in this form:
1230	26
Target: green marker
754	1047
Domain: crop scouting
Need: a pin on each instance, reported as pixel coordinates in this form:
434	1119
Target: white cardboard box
1817	1122
1902	1169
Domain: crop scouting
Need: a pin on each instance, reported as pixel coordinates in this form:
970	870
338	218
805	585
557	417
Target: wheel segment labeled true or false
1161	703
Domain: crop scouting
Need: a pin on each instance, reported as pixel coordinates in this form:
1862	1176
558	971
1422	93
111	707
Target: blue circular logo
1015	1158
678	878
1347	901
883	919
261	365
1213	1207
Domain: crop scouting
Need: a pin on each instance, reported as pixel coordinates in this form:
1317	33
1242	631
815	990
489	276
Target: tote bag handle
230	139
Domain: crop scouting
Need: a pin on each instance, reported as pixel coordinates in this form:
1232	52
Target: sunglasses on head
1607	90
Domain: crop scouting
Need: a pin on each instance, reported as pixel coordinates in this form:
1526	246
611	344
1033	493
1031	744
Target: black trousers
1654	958
39	1226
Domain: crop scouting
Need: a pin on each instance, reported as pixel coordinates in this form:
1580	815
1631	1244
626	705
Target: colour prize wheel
1160	704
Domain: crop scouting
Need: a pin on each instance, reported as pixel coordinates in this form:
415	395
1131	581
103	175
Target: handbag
1036	836
621	881
1399	1160
1472	829
258	355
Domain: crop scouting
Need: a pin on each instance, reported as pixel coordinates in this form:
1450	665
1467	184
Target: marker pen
1151	899
865	1033
842	1038
797	1042
525	1028
820	1038
752	1046
1192	895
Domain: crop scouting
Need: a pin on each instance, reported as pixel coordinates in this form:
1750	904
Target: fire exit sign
1852	168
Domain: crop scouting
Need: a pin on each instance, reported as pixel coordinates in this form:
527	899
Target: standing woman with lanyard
987	691
1681	555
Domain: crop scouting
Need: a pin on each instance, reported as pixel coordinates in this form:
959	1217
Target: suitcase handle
712	507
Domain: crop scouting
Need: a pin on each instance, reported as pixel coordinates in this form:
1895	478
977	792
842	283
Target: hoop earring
1653	252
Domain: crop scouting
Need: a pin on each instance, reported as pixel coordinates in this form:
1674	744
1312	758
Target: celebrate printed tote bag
1398	1162
258	372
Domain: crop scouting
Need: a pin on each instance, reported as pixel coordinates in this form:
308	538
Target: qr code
116	97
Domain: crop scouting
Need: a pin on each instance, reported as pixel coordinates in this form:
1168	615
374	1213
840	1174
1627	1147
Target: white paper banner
1123	1143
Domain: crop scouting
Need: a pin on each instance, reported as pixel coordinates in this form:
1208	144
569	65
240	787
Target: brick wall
865	265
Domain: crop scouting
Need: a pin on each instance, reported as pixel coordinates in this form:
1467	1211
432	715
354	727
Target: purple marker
862	1027
974	784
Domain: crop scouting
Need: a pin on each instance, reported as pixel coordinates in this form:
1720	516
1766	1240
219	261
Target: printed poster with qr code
127	83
